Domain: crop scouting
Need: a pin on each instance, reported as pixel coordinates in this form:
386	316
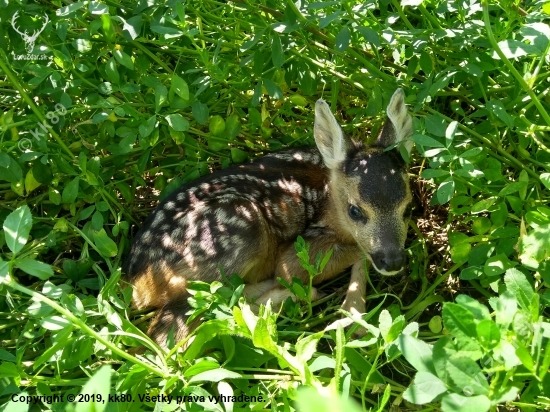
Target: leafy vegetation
121	102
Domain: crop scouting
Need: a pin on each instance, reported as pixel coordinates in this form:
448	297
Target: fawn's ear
330	138
398	126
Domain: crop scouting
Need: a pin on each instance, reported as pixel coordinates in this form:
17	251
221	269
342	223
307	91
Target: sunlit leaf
17	228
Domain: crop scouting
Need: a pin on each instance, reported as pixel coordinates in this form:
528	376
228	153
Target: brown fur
246	220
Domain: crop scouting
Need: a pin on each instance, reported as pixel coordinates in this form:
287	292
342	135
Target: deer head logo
27	38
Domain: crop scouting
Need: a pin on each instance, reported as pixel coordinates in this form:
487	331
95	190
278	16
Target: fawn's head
370	193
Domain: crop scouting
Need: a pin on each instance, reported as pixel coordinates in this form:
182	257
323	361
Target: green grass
128	101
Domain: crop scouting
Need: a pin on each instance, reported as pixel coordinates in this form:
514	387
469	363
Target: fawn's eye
355	213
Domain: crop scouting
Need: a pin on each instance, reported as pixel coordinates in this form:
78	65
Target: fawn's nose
390	262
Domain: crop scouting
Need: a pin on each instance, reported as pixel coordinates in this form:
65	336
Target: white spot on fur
207	241
291	186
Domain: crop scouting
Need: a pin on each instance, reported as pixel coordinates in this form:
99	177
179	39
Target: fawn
341	195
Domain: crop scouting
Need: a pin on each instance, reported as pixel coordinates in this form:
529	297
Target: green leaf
342	39
505	307
325	21
479	310
41	172
499	215
177	122
123	59
8	370
298	100
98	384
534	247
450	132
436	324
459	403
445	191
97	220
232	126
161	96
431	173
309	399
273	89
362	365
385	399
460	252
35	268
525	357
396	328
147	127
384	323
238	155
505	394
545	179
481	225
426	63
418	353
471	272
261	336
215	375
435	125
517	283
277	54
513	49
306	346
105	88
424	389
458	320
4	271
17	228
179	87
7	356
412	3
9	169
82	45
199	367
168	31
471	152
426	141
483	205
217	145
111	71
251	43
512	188
523	177
106	246
466	376
217	125
497	265
200	112
369	35
70	192
497	108
488	334
256	97
54	322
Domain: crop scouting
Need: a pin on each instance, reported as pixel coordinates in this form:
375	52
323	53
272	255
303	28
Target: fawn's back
238	219
341	195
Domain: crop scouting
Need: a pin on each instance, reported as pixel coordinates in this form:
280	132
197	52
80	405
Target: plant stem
519	78
31	104
86	329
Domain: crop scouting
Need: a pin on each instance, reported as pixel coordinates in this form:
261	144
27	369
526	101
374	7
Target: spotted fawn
342	195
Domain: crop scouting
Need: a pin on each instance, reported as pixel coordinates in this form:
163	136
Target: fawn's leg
288	264
357	289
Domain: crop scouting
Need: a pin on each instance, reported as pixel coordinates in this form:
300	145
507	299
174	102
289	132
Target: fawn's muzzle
389	262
